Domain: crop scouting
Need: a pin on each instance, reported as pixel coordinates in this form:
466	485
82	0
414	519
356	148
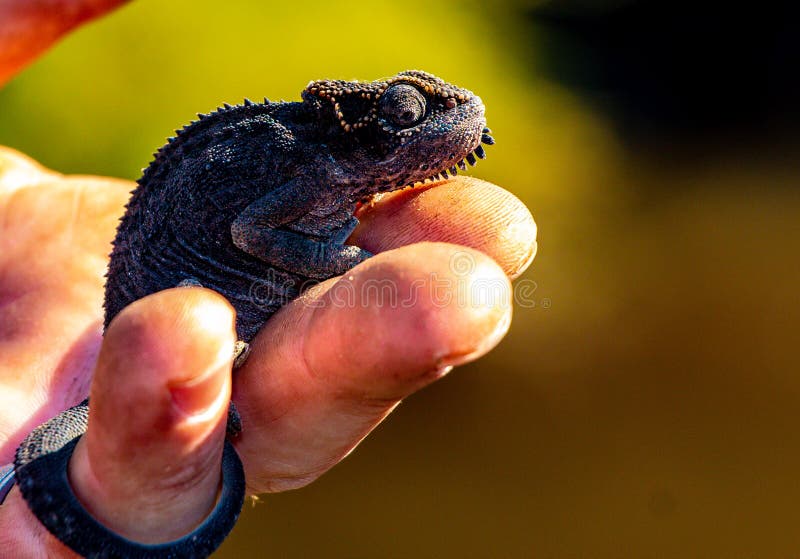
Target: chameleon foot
189	282
241	351
234	426
41	470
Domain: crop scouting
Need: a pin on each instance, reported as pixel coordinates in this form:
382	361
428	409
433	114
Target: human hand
322	373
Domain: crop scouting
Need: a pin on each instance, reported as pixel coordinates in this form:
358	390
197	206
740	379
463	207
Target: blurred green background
647	404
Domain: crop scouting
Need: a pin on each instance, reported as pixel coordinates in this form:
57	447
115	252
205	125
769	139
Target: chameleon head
402	130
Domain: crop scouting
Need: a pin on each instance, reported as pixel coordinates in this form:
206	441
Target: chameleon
256	201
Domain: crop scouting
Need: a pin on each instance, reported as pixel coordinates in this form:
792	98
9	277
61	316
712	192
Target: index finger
463	210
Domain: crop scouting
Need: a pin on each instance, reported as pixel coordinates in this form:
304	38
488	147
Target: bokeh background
646	402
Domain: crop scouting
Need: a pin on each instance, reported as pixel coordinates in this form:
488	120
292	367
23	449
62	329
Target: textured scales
255	200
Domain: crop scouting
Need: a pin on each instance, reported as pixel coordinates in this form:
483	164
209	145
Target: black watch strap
41	471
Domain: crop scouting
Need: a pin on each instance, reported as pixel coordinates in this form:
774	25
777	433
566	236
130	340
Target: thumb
148	466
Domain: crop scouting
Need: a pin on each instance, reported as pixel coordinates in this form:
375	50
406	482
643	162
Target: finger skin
328	367
55	236
463	211
30	27
159	403
22	536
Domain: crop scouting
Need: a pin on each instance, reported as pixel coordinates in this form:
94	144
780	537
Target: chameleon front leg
295	253
258	231
344	233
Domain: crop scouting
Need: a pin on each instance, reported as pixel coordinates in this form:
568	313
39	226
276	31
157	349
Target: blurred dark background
677	70
646	404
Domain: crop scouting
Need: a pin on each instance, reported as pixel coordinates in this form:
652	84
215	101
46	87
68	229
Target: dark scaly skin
255	200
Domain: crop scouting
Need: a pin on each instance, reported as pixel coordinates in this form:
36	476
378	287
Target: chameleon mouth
470	158
478	152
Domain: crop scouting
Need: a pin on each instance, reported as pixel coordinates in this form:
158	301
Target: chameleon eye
403	105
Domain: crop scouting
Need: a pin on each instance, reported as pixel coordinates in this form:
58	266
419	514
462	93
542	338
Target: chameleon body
255	200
